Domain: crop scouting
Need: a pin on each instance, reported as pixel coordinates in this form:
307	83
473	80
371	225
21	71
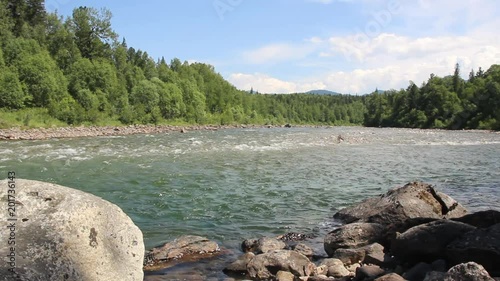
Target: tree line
78	70
445	103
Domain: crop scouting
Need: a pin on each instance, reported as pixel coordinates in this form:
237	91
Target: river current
229	185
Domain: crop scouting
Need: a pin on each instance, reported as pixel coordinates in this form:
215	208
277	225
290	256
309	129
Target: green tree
12	95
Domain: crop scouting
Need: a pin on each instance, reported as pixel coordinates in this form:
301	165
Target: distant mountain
323	92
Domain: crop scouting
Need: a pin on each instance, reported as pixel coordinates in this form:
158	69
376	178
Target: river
229	185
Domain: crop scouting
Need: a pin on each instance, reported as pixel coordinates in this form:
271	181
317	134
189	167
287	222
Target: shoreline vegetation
76	70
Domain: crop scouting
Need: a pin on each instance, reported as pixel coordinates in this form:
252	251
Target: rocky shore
411	233
97	131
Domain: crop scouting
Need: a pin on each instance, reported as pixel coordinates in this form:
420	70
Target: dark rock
470	271
249	245
353	235
304	249
350	256
391	277
240	265
483	219
439	265
189	248
267	265
414	200
481	246
435	276
369	272
418	272
428	242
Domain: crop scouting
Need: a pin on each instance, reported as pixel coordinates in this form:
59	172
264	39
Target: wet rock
414	200
64	233
369	272
188	247
418	272
262	245
483	219
240	265
294	236
353	235
428	242
391	277
470	271
481	246
267	265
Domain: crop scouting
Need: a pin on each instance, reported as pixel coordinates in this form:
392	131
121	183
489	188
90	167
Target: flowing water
230	185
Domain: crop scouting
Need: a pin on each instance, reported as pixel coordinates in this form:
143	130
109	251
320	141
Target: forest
76	70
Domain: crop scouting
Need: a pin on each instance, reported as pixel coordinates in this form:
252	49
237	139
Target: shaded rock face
353	235
483	219
266	266
66	234
428	242
481	246
414	200
188	247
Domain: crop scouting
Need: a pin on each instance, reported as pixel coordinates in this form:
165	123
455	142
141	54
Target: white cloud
280	52
269	85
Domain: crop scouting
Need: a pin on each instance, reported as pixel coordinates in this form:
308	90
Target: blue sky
284	46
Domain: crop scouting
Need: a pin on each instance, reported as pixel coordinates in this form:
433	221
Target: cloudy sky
285	46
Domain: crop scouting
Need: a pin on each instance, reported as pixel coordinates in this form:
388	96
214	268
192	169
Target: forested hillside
57	71
447	103
77	70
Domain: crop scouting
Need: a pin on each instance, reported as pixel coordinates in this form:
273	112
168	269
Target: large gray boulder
66	234
414	200
481	246
353	235
427	242
470	271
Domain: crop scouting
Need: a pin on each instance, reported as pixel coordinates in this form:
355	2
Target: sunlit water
235	184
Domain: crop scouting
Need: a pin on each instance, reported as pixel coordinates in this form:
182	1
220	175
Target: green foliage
11	93
448	103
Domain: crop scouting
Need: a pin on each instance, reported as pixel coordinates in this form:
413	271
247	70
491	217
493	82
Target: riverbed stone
390	277
482	219
470	271
240	265
414	200
187	247
66	234
266	265
353	235
428	242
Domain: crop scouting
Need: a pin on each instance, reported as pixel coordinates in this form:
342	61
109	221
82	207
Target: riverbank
97	131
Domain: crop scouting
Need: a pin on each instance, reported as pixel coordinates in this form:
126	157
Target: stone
262	245
418	272
470	271
304	249
414	200
240	265
439	265
335	268
374	254
481	245
369	272
284	276
266	265
483	219
353	235
350	256
428	242
67	234
187	247
390	277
